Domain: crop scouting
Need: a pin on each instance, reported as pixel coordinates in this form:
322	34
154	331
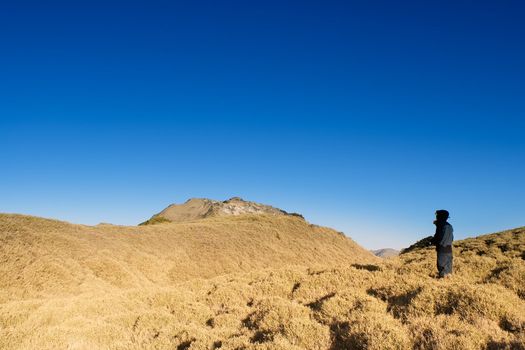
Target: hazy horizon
358	233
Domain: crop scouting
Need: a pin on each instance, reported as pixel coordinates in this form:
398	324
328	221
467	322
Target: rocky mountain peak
200	208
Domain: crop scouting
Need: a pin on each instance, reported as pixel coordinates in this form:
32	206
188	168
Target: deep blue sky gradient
363	115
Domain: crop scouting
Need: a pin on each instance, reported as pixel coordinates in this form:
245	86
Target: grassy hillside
42	257
298	287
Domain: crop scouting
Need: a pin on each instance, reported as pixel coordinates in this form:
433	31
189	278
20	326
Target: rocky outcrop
200	208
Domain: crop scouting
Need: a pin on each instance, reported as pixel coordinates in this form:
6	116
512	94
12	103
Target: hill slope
76	287
41	256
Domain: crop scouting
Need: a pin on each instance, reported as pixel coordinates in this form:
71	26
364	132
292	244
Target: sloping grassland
249	282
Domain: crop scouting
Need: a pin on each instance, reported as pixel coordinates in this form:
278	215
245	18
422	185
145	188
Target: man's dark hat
442	214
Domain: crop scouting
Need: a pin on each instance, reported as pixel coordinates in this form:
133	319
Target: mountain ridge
385	252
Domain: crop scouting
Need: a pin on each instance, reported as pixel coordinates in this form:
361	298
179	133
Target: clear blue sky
365	116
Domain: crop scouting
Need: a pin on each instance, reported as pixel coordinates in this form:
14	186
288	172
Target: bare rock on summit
200	208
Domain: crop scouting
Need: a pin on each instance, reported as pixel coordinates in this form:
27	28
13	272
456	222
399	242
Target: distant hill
386	252
200	208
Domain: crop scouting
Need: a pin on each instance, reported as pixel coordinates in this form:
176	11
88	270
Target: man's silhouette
443	242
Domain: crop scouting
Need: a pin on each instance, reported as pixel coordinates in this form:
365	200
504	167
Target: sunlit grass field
249	282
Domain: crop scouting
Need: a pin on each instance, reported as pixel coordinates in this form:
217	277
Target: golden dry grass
249	282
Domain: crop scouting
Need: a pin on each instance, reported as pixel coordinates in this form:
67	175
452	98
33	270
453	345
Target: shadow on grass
368	267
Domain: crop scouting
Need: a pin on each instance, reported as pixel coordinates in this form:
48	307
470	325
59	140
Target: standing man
443	242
